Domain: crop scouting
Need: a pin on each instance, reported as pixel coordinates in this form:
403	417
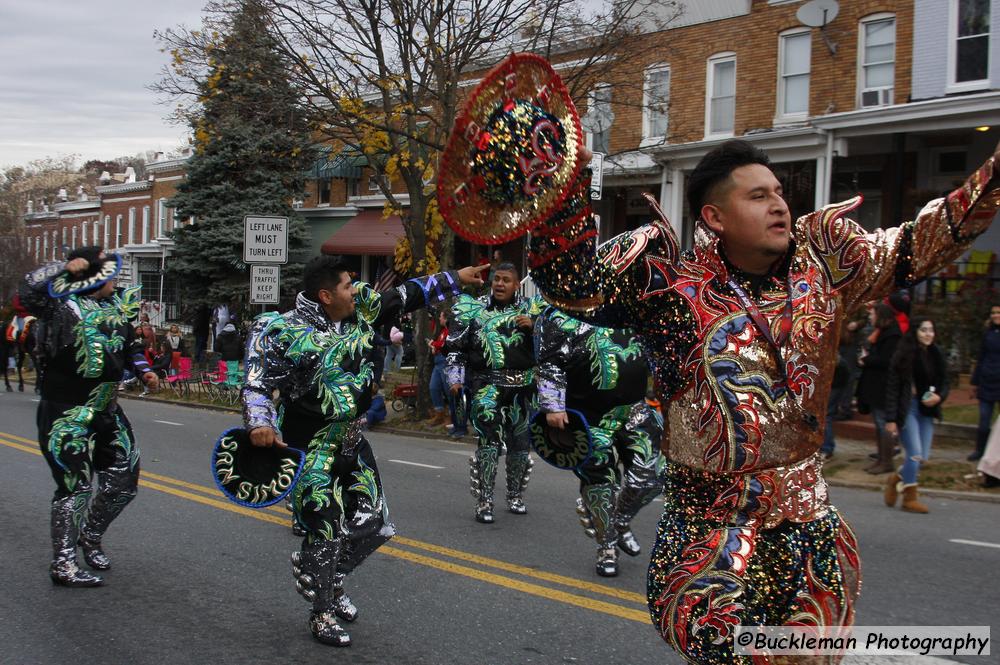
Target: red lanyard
785	325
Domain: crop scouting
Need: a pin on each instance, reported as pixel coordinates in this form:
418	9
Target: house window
73	238
325	186
794	55
145	224
969	50
65	236
720	116
131	226
354	186
118	231
94	240
877	55
161	217
655	102
373	181
599	118
107	230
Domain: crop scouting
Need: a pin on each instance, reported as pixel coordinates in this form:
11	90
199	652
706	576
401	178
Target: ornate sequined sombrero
65	284
513	154
251	475
567	448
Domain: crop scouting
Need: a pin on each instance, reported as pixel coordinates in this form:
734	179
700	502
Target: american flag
387	279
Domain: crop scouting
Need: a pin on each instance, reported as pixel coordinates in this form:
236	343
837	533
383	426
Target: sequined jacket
587	368
728	408
84	342
484	341
324	375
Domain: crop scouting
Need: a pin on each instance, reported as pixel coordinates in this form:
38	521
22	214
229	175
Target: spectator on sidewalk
841	382
439	384
201	324
986	380
917	385
394	352
874	378
144	331
176	339
851	336
228	343
989	465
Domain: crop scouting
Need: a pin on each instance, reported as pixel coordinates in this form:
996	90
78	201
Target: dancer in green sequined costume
491	341
86	344
601	374
319	358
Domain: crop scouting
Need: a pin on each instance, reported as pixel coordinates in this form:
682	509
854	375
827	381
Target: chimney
80	194
31	206
105	178
129	174
63	195
158	157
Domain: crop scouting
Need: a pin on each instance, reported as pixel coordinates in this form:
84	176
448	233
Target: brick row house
131	218
893	99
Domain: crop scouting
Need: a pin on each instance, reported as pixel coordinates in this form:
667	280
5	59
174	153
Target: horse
18	340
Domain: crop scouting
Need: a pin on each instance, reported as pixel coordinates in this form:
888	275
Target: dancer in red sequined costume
742	332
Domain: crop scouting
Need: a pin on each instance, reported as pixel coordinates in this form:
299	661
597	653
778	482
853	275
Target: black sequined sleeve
600	285
553	350
411	295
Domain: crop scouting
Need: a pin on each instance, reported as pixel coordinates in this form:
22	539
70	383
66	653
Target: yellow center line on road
280	517
554	578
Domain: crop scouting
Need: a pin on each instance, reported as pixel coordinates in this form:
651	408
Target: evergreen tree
252	150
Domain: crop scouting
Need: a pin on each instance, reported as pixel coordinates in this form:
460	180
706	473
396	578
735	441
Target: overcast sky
73	77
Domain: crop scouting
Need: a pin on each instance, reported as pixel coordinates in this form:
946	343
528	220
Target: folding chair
180	382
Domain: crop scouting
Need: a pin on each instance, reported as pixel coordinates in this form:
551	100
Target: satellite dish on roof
818	13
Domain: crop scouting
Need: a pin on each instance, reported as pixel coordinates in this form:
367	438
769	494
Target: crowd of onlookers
891	366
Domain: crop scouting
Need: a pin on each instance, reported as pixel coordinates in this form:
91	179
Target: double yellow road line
414	551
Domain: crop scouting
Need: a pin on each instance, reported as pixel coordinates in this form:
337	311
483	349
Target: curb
190	405
423	435
982	497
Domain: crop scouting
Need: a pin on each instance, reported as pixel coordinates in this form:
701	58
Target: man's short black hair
715	168
507	266
322	272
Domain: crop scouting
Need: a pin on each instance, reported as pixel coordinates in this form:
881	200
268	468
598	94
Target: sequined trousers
502	405
763	548
339	494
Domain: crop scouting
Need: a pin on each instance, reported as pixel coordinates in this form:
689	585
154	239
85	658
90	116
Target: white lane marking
426	466
980	543
167	422
33	399
456	452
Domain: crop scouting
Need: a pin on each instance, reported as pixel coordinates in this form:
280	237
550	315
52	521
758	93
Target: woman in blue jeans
917	385
439	384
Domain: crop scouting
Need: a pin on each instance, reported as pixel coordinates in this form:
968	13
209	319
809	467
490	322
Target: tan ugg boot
892	486
911	503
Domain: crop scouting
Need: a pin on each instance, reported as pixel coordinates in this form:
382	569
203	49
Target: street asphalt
199	580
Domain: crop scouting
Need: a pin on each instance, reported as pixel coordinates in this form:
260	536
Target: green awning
345	164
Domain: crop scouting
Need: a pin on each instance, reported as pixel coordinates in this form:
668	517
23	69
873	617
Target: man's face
750	214
504	285
107	289
338	302
995	316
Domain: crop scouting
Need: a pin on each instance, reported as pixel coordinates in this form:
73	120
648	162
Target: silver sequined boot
116	487
518	473
67	514
315	571
482	476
